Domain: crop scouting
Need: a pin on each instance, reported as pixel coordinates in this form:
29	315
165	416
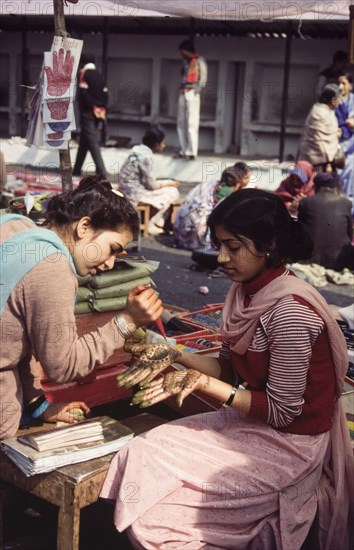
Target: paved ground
30	524
179	285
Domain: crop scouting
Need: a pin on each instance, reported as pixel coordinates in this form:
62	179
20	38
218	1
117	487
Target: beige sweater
319	141
38	319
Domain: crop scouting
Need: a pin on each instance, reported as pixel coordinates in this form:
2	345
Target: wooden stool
175	207
144	213
71	487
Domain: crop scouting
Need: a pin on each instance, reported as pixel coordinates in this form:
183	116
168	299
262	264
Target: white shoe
154	230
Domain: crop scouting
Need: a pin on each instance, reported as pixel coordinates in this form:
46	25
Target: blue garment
23	251
346	110
190	227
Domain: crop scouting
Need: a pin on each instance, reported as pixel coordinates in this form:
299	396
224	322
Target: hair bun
91	182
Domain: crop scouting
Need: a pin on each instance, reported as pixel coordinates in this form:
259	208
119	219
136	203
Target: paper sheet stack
31	461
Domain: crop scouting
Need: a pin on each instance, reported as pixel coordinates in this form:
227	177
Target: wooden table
71	487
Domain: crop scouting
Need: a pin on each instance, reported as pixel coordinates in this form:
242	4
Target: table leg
68	526
2	496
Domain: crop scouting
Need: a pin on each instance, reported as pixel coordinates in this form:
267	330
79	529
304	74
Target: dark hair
262	217
329	92
95	198
87	58
347	75
153	136
340	55
187	45
242	166
328	180
241	169
229	177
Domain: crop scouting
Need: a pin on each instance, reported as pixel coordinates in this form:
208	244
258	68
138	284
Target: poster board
51	115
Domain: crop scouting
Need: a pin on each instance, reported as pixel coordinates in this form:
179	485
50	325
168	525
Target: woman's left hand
148	360
180	383
65	412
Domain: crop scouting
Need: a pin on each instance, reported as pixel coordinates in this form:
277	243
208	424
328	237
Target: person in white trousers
194	78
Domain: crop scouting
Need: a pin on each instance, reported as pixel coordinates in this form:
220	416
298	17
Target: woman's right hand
173	183
143	306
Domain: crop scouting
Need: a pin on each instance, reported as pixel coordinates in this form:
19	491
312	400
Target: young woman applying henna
85	230
255	473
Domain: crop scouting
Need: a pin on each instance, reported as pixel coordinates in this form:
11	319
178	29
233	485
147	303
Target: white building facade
242	106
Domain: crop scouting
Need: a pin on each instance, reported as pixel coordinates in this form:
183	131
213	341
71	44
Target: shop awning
224	10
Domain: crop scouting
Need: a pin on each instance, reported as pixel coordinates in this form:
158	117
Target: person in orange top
194	78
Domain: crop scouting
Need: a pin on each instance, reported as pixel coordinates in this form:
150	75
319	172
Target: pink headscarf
336	488
309	187
290	187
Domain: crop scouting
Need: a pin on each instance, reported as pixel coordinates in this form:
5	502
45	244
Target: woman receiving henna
255	473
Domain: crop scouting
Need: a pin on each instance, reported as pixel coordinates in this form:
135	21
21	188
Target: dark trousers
89	141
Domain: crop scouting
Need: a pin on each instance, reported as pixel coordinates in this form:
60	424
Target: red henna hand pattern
59	78
58	108
55	135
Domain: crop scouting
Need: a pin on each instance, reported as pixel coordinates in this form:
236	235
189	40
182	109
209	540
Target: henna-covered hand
180	383
147	362
59	77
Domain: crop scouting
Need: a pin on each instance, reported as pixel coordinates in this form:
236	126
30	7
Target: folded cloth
345	278
122	272
347	314
85	293
312	273
105	304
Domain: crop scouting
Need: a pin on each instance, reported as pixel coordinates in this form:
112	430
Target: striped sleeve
291	329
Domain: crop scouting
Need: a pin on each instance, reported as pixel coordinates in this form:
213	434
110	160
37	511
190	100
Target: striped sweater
288	366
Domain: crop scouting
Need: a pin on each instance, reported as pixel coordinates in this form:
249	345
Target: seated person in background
290	191
306	171
138	183
327	216
190	226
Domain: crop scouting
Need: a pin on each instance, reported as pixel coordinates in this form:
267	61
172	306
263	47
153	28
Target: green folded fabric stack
109	290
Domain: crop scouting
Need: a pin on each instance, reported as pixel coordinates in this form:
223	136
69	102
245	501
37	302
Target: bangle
33	405
40	410
231	398
123	327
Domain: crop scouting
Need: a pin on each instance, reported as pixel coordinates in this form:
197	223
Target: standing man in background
93	101
194	78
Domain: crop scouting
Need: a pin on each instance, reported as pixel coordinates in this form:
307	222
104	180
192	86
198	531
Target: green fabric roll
83	307
84	294
122	273
83	280
121	289
104	304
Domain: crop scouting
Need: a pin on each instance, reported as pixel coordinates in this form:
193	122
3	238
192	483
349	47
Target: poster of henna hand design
59	80
51	117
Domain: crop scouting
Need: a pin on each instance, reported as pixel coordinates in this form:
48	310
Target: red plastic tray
190	342
101	390
190	320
